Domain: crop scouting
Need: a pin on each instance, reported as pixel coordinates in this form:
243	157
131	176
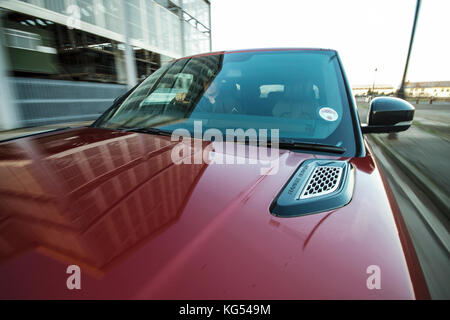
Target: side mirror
387	114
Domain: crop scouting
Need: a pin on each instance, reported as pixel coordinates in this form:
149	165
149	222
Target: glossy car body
141	227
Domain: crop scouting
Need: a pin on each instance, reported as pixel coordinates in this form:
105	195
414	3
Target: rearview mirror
387	114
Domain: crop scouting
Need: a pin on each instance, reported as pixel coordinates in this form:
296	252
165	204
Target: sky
368	34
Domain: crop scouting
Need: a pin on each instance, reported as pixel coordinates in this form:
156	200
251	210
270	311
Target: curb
440	199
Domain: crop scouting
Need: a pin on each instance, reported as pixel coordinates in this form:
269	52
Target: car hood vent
323	180
316	186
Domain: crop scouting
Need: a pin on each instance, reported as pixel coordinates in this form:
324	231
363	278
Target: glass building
112	41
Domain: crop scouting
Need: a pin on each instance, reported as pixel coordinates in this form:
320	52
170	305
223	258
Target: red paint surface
141	227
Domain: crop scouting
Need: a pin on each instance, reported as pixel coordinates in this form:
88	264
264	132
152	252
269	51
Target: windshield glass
299	92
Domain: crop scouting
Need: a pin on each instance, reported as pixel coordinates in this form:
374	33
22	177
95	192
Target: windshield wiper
156	131
292	144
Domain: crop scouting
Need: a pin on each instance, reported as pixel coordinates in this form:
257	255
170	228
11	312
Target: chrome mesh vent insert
323	180
318	185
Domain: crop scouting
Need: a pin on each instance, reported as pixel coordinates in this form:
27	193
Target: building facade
364	90
432	89
88	39
117	42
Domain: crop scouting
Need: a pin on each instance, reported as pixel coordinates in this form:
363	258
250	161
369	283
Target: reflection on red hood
142	227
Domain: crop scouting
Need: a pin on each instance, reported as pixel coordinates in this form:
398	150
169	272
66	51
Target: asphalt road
439	113
435	118
417	211
427	225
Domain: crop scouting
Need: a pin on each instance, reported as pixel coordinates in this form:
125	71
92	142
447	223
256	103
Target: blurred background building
66	60
435	89
379	89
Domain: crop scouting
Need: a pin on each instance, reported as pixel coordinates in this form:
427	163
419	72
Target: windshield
299	92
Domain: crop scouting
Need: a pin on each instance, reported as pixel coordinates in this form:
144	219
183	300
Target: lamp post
401	91
373	85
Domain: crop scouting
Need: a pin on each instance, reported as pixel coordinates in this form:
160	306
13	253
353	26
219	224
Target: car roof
254	50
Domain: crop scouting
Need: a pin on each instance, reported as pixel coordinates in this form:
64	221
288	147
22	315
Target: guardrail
42	101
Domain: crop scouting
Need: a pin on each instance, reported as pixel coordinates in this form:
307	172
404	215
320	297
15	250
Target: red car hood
142	227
